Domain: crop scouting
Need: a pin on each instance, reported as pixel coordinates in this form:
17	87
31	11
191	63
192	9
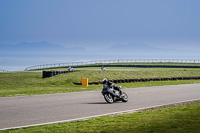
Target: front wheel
125	97
108	97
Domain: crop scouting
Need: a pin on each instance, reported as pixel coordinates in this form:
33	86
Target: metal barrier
112	61
3	71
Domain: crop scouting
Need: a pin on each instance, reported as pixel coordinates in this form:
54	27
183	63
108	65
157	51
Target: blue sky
98	24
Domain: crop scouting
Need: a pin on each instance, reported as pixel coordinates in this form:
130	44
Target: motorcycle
111	95
70	69
103	68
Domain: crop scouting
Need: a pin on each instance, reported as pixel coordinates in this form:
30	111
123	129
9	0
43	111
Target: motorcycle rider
108	84
103	68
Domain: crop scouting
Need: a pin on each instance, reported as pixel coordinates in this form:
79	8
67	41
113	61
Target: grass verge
32	83
179	119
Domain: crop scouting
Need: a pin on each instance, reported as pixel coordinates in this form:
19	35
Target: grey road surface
30	110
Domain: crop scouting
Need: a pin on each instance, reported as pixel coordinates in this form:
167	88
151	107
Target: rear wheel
109	98
125	97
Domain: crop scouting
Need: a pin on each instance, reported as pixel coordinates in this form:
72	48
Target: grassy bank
180	119
151	63
32	83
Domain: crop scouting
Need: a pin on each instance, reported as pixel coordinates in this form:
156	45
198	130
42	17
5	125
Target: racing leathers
109	85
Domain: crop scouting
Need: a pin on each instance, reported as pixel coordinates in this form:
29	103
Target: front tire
108	97
125	97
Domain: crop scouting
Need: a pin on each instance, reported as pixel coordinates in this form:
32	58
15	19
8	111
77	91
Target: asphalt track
16	112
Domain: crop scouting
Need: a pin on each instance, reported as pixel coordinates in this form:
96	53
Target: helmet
104	81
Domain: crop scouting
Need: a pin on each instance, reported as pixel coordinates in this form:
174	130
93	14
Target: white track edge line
94	116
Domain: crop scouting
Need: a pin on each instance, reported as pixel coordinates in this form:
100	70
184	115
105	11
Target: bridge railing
68	64
3	71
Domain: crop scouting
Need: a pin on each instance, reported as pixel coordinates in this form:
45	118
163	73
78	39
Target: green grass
32	83
180	119
149	63
135	69
158	63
